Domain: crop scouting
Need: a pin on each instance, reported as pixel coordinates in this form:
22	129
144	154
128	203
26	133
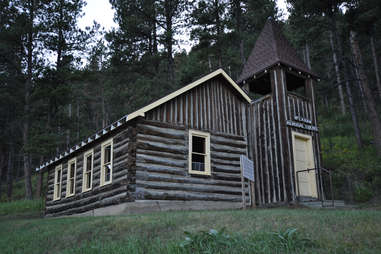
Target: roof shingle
271	48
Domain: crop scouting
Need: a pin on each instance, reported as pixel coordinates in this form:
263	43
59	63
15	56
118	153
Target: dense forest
59	84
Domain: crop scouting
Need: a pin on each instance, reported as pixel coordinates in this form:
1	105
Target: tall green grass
238	231
212	241
21	207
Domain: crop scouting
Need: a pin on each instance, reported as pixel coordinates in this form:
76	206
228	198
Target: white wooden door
304	159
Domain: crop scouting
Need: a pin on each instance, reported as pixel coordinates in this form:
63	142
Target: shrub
213	241
363	192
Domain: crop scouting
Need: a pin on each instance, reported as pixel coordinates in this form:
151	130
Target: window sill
70	195
195	172
105	183
86	190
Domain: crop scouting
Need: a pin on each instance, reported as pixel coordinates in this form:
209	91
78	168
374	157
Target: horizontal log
120	150
161	125
151	194
155	146
225	136
163	154
227	169
159	177
186	187
227	176
160	139
95	194
226	148
121	142
226	156
118	159
229	143
160	169
162	160
232	163
113	200
168	132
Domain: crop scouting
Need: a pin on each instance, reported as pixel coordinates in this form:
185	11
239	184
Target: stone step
325	204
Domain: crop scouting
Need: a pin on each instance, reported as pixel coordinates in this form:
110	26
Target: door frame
310	153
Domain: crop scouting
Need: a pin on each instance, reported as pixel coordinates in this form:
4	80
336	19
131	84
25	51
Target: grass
238	231
21	208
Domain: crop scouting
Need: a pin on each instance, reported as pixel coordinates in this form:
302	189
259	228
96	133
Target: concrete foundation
150	206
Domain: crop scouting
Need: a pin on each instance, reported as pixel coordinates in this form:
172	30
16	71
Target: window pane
72	170
198	162
58	176
198	144
88	163
107	173
72	186
88	181
107	153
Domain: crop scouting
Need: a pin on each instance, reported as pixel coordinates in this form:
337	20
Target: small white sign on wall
247	167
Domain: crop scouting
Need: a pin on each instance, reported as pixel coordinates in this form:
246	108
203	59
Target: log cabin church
183	150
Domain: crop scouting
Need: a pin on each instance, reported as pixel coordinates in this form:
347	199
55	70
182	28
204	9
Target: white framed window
88	165
57	182
199	153
106	162
71	175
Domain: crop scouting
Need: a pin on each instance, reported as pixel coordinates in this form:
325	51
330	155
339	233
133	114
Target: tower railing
319	172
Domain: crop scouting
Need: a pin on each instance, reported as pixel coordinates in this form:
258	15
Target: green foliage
363	192
247	231
18	190
213	241
357	171
21	207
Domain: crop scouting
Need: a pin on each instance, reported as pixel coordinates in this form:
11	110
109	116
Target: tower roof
272	48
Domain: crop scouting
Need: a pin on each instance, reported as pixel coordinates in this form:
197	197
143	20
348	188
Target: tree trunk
78	126
39	181
359	85
10	172
219	32
28	86
374	56
352	107
372	112
68	128
169	40
104	123
349	93
238	19
2	160
308	57
337	71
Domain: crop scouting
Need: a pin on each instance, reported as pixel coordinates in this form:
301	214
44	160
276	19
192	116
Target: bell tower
283	135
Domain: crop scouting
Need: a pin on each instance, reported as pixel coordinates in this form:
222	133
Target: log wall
162	165
270	139
118	191
162	146
212	106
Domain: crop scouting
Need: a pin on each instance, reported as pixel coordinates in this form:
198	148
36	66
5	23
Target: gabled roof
270	49
141	112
